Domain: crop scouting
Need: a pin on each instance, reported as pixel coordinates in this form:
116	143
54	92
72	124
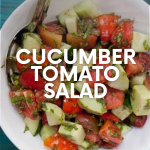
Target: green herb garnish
146	46
127	101
52	110
44	26
69	127
147	106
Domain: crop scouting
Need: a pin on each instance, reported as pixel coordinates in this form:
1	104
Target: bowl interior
11	121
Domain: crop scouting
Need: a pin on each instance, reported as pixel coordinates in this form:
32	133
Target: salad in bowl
84	123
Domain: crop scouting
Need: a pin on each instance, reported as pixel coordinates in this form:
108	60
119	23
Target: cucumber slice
122	112
72	132
122	83
93	105
63	46
31	41
80	66
34	126
78	86
140	42
138	79
140	100
71	24
47	131
54	114
86	8
67	13
124	128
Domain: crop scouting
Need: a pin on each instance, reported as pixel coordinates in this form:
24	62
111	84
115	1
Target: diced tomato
107	24
22	67
144	59
27	79
110	133
123	34
39	96
56	82
51	39
136	121
132	69
147	81
105	145
79	42
110	116
55	27
102	77
88	121
25	102
70	105
44	118
114	98
92	137
58	142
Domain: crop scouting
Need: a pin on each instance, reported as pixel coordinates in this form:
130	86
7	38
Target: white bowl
11	121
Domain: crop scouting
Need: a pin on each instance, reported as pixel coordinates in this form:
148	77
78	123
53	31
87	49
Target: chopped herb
124	43
77	122
127	101
61	119
104	43
85	35
26	129
101	122
147	106
119	37
81	24
35	113
29	100
132	119
52	110
116	134
120	126
85	44
112	143
55	147
27	66
69	127
44	107
102	101
17	99
75	34
146	46
44	26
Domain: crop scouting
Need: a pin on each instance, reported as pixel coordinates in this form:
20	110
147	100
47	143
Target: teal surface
7	7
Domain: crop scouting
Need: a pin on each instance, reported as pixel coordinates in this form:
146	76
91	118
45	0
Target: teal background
7	7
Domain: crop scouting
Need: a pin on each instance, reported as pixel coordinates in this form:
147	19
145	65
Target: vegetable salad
84	123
